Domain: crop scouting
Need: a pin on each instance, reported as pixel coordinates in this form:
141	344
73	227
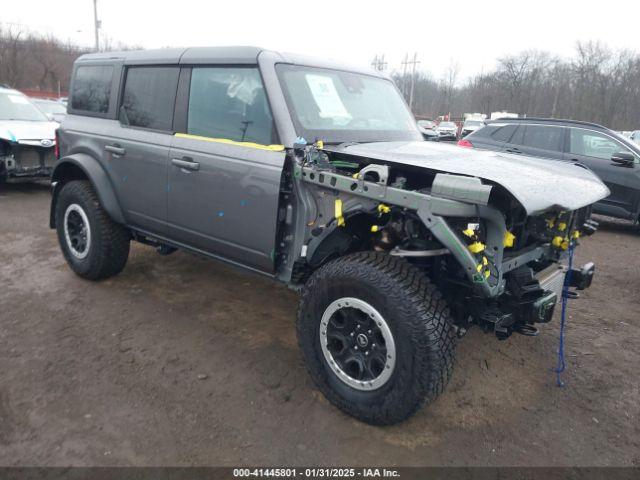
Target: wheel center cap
362	340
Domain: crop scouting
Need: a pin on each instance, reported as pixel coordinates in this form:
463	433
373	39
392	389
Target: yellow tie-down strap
271	148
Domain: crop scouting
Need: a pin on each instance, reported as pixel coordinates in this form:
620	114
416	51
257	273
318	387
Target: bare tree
11	52
597	84
33	61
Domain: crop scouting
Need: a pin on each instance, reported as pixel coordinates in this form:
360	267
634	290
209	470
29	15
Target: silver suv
314	173
27	138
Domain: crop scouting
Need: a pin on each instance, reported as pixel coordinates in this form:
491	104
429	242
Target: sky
471	34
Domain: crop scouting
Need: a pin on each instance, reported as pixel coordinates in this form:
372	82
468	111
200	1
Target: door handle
115	149
186	162
514	150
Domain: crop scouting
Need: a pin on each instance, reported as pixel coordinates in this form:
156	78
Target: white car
427	129
53	109
447	130
470	126
27	138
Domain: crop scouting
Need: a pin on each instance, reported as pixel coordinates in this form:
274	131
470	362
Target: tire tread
422	308
111	239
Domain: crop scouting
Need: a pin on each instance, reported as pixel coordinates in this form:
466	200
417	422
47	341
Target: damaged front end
26	158
500	265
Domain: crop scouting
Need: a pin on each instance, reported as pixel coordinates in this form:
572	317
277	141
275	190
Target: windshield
51	107
447	124
337	106
15	106
472	123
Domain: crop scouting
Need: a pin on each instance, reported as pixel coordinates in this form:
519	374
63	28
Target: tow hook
582	278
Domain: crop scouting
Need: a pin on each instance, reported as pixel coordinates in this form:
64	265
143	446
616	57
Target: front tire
94	246
342	304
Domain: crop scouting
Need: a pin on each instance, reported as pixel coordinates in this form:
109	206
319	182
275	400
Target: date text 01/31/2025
316	472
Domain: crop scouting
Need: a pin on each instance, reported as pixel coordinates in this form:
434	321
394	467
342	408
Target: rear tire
94	246
366	286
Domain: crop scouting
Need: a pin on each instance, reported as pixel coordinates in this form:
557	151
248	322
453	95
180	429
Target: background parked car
427	128
53	109
614	158
470	126
27	138
447	130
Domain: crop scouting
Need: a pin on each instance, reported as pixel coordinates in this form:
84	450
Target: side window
543	137
593	144
92	88
516	138
504	133
149	97
229	103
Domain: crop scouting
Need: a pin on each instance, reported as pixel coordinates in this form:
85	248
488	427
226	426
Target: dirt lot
182	360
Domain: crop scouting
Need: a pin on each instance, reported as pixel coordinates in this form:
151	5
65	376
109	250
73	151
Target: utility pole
96	24
378	63
404	64
413	78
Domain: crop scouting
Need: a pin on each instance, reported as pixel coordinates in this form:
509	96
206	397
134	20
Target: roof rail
542	119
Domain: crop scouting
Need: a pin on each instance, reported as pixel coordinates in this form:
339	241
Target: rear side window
149	97
543	137
229	103
504	133
92	88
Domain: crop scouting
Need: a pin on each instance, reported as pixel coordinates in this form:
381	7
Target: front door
225	168
595	149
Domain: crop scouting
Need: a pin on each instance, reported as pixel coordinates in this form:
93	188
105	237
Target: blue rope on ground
565	299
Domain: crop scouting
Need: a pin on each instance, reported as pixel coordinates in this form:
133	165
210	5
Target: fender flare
96	174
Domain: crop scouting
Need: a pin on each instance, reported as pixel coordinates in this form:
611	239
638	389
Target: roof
6	89
221	55
553	121
177	55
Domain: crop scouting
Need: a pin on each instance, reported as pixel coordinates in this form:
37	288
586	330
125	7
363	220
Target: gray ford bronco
314	173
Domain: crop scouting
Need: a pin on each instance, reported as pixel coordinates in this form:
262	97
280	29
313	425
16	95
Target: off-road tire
419	321
109	248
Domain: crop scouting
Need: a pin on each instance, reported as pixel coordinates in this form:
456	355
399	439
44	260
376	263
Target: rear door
544	141
139	151
225	166
595	149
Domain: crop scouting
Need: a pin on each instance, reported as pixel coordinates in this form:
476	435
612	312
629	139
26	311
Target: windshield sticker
18	99
326	96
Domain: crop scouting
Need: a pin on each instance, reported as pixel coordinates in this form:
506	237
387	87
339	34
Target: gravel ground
182	360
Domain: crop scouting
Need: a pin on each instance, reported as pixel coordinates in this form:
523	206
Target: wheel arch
84	167
335	241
